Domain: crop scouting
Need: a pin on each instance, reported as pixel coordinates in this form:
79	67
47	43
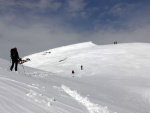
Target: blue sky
37	25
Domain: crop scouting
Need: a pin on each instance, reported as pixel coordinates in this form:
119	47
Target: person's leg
12	65
16	65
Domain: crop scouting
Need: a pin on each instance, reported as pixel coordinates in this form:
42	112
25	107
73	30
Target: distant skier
115	42
15	58
81	67
73	72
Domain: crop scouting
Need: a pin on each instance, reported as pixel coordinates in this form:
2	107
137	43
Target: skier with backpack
15	58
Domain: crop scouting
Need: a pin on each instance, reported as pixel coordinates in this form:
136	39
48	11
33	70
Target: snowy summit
106	79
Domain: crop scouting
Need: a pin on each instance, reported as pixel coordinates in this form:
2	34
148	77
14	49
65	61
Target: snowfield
114	79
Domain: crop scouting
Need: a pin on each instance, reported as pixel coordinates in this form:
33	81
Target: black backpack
13	53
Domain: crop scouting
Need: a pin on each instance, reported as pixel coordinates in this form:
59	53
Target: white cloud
34	6
117	9
33	32
44	3
34	38
75	5
51	4
124	9
140	34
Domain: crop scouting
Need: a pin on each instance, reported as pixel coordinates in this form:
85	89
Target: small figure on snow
73	72
81	67
115	42
15	58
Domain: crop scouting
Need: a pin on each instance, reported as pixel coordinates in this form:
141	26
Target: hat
15	48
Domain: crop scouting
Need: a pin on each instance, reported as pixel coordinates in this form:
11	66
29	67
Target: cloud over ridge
53	23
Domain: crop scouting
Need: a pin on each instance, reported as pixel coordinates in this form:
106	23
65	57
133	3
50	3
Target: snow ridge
92	108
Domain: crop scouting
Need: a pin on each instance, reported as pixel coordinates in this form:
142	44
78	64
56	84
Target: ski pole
9	65
23	68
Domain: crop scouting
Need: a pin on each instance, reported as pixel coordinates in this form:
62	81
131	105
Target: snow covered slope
124	59
38	91
60	60
114	79
116	76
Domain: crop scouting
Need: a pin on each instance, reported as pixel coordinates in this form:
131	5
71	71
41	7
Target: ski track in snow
92	108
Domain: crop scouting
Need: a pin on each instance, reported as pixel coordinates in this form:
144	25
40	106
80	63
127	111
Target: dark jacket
14	54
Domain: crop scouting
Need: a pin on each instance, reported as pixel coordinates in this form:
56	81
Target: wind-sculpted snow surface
92	108
40	98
